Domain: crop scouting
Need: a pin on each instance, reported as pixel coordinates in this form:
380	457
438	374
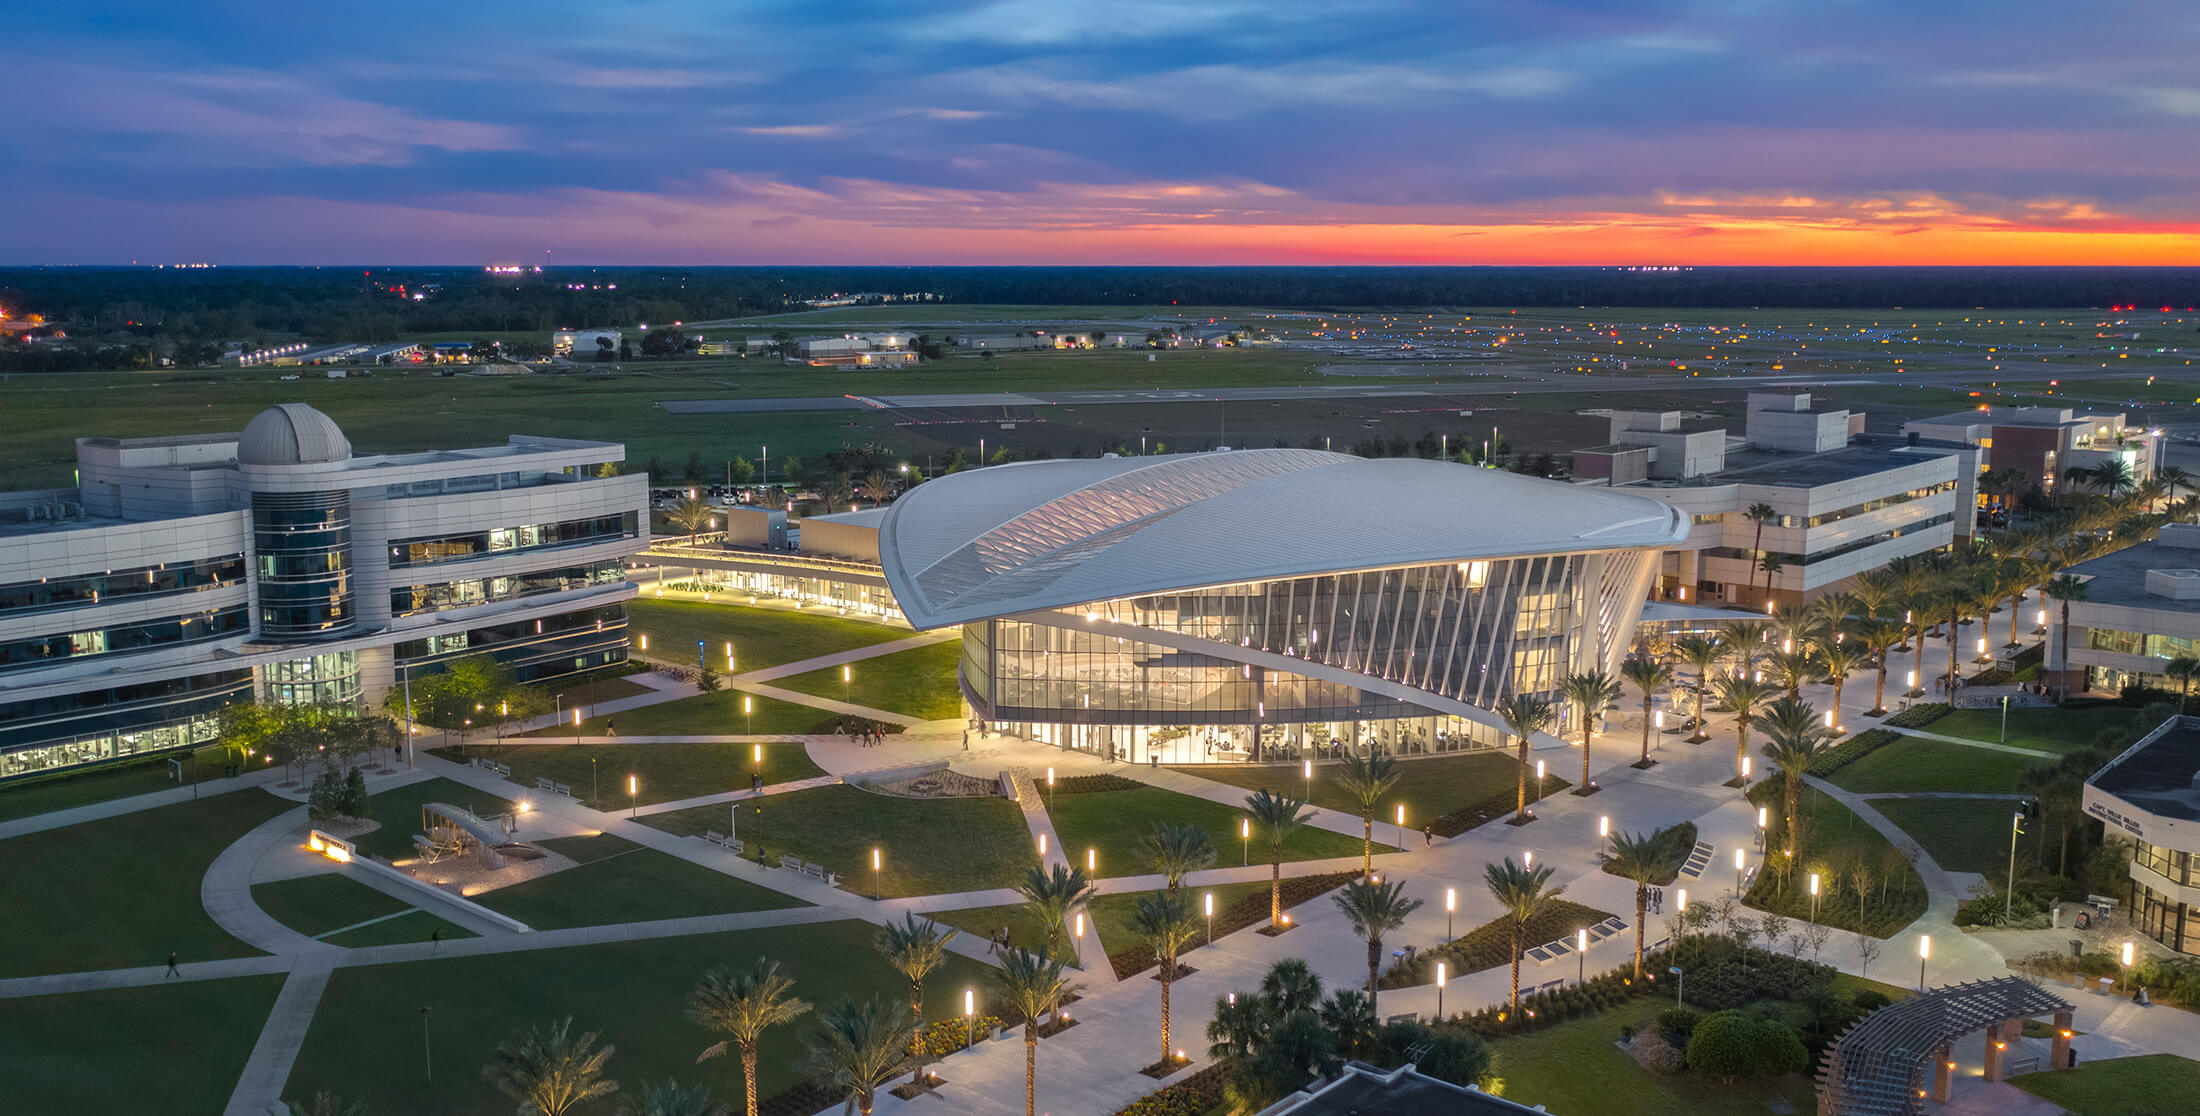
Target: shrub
1666	1059
1731	1045
1849	751
1869	1000
1627	1032
1920	715
1093	784
1490	944
1677	1023
1449	1054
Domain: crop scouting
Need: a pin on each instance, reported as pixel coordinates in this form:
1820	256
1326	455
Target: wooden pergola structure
1877	1067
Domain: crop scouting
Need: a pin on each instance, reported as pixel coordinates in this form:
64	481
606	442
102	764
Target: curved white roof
292	434
1049	534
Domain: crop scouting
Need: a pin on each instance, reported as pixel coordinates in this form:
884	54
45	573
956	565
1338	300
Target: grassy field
398	810
2141	1086
1578	1066
1110	916
761	637
1838	837
1963	834
164	1048
1112	822
919	682
21	798
930	845
316	905
664	772
1428	788
713	714
620	881
2067	729
122	892
1917	764
366	1040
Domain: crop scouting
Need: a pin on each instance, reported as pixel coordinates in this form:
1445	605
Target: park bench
542	782
2022	1065
722	841
815	871
565	789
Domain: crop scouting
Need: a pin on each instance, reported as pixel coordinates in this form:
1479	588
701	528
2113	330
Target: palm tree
915	949
2183	668
743	1006
1052	896
1770	565
326	1104
1740	695
1525	715
1367	779
2173	478
1741	639
1278	816
1793	734
673	1099
2111	476
1638	857
1176	851
2065	589
1760	514
1701	653
548	1070
1521	892
1792	667
691	515
1592	692
1841	659
1375	909
1649	677
1880	638
1165	923
1871	593
857	1046
1033	987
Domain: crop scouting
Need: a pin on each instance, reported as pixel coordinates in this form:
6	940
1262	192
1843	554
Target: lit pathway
260	1087
744	795
842	658
1967	742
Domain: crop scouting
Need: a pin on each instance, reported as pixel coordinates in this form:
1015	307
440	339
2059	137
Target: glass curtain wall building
1267	605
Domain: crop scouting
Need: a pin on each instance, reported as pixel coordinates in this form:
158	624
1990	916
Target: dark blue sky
1017	132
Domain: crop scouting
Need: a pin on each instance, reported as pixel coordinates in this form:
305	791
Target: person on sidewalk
435	940
611	728
1428	835
172	970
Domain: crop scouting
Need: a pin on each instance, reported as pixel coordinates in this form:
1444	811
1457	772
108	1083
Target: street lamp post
1245	841
1309	780
1401	825
1451	906
595	795
1538	783
2016	828
970	1017
1604	835
748	710
846	683
1208	901
427	1048
1814	897
633	799
878	864
1092	860
2127	959
1680	986
1740	859
1439	991
1581	956
1924	951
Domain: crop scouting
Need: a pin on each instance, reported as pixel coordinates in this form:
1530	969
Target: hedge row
1920	715
1193	1096
1092	784
1490	944
1849	751
1244	911
1496	806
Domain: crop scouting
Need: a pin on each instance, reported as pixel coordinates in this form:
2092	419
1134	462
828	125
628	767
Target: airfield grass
174	1047
919	682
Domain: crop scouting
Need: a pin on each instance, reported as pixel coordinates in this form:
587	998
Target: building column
1944	1072
1997	1050
2058	1051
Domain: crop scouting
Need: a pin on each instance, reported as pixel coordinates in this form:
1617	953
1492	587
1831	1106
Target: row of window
2140	643
412	600
108	708
84	590
501	540
1839	514
1793	560
47	650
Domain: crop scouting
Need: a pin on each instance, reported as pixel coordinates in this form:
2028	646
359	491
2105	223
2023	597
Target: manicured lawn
314	905
1914	763
1110	916
398	810
714	714
919	682
1429	788
664	772
761	637
1024	931
175	1047
620	881
122	891
1965	834
1838	837
930	845
2065	729
1112	822
412	926
568	694
21	798
366	1042
1577	1067
2147	1084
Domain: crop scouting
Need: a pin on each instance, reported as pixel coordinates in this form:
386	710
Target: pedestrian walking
172	970
435	940
756	782
611	728
966	740
1428	835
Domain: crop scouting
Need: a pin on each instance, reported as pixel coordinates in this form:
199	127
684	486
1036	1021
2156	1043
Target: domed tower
301	539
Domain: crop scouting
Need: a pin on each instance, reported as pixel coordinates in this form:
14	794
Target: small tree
1176	850
1375	909
1868	950
1165	923
1034	988
915	949
548	1070
670	1098
1591	692
691	515
1278	816
1367	779
857	1046
1525	715
1052	896
742	1006
1522	892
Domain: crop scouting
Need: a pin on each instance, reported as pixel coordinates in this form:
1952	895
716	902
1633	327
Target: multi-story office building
1843	502
2141	609
1268	604
2046	443
185	573
2151	795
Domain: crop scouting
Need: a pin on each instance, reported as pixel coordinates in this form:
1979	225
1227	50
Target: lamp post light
2016	827
1680	987
1439	991
1527	858
748	710
970	1017
1745	774
1604	834
633	796
1092	860
1050	788
1924	951
1581	956
878	864
1042	846
595	795
1309	780
1245	841
1451	906
1208	901
846	678
1401	825
2127	959
1538	781
1814	897
427	1048
1740	859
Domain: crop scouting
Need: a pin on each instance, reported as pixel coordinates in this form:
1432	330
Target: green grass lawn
1577	1067
1429	788
316	905
664	772
1914	763
761	637
175	1047
1965	834
714	714
1837	836
930	845
398	810
1112	821
597	686
122	891
412	926
2061	730
919	682
620	881
1110	916
366	1043
43	794
2141	1086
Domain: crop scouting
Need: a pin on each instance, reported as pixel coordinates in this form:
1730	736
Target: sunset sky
1131	132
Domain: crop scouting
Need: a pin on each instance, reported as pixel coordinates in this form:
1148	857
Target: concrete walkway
260	1087
131	804
723	797
1986	745
226	889
842	658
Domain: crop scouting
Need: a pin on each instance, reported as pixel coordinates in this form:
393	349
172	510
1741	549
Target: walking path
1967	742
842	658
131	804
260	1087
723	797
1170	779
